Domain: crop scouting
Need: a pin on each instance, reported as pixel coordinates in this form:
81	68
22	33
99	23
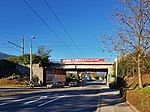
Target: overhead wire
49	27
65	30
14	48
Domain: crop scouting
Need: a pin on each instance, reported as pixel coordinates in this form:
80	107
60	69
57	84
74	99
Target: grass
145	90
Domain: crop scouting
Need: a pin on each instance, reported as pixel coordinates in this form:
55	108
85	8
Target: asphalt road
76	99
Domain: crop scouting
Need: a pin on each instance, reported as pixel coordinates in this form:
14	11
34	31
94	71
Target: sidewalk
112	102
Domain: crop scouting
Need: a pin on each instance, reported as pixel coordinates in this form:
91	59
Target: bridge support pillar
110	71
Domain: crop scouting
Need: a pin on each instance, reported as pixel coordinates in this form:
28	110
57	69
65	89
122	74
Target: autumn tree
132	35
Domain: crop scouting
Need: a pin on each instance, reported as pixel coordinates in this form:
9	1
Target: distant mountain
3	55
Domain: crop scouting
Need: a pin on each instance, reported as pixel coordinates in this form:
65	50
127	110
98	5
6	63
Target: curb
100	100
132	107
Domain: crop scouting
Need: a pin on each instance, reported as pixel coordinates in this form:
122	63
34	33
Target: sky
84	21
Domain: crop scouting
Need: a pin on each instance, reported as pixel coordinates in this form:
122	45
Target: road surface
75	99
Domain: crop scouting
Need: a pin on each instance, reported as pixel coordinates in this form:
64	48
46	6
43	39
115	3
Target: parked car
57	84
73	84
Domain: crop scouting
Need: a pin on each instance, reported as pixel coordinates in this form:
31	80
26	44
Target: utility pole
31	57
116	67
22	45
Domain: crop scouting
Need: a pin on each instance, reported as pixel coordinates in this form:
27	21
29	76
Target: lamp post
31	57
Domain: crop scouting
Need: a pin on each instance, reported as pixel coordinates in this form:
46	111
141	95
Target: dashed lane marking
1	104
52	100
42	97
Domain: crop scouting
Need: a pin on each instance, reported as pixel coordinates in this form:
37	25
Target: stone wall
38	71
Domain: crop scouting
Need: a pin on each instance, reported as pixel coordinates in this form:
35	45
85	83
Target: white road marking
4	103
48	102
42	97
31	101
52	100
16	101
20	100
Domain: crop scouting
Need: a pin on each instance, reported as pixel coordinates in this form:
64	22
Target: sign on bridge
82	60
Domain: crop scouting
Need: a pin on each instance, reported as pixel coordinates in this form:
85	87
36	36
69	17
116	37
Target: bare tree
43	51
132	35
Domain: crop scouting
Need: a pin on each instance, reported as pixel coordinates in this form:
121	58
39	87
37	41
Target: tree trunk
139	73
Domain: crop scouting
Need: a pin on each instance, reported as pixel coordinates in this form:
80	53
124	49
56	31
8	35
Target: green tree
13	59
26	59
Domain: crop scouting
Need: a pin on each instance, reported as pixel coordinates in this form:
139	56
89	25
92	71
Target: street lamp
31	57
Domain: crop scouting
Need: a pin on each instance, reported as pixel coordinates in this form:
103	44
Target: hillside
3	55
135	80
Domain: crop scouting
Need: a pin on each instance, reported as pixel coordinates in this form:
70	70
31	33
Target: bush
145	90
